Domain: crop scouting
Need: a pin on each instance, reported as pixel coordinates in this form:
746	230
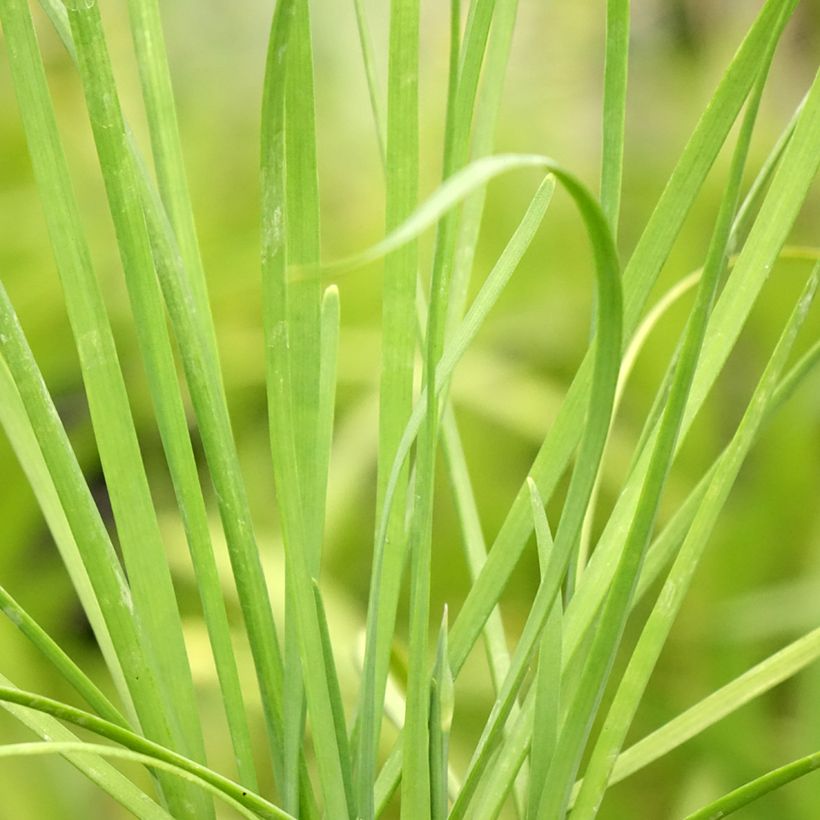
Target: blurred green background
757	587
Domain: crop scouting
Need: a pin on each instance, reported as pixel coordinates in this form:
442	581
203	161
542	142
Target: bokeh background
756	589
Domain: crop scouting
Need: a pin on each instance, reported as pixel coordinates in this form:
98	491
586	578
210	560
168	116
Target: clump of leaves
548	747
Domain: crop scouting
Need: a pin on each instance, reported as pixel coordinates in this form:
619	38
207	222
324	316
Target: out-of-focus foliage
508	388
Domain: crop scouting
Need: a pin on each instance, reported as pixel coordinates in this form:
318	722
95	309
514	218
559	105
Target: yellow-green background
757	588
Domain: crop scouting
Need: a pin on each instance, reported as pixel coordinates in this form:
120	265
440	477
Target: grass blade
441	719
665	546
754	197
304	331
632	352
788	190
66	667
737	799
24	442
458	187
327	391
547	686
616	62
169	161
396	387
92	766
606	371
414	788
728	699
336	699
280	410
66	748
475	550
492	288
141	745
506	766
369	60
488	105
126	480
774	670
475	553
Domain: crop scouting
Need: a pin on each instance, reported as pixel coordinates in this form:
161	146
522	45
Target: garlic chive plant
564	686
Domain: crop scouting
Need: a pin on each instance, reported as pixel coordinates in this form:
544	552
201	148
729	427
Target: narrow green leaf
119	451
668	217
487	106
756	681
489	293
24	442
582	610
93	767
456	188
616	61
776	779
62	663
452	78
66	748
790	184
304	329
339	725
462	84
475	549
488	103
280	413
169	161
482	142
666	544
327	391
608	283
630	355
441	719
547	685
201	365
373	88
496	280
506	765
141	745
494	790
416	787
475	552
396	385
754	197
